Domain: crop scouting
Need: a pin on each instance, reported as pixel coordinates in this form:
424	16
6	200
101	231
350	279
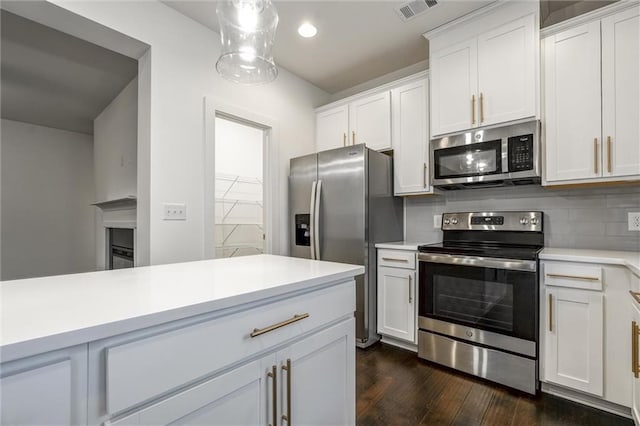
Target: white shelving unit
239	216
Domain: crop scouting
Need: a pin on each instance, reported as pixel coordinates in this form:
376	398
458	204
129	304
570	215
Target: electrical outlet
634	221
437	221
174	211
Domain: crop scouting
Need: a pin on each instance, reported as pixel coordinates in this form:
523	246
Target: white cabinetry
364	120
397	295
410	139
490	77
332	128
56	380
592	100
574	339
585	355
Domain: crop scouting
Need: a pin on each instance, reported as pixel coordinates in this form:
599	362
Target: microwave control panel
520	153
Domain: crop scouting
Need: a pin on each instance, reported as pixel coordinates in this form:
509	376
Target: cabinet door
621	93
573	332
332	127
635	317
318	378
243	396
410	139
370	121
572	104
57	380
454	84
507	72
396	303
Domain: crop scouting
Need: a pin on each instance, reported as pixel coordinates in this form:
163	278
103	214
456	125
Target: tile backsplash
594	218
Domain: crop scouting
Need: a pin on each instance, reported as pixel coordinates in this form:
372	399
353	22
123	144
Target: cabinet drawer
166	361
573	275
397	258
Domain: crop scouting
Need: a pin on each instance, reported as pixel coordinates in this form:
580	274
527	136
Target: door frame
213	108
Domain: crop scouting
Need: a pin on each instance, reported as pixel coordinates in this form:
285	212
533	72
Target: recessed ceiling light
307	30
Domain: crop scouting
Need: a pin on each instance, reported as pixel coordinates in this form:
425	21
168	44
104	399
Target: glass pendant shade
247	32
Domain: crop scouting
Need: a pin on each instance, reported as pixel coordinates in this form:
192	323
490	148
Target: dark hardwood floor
395	387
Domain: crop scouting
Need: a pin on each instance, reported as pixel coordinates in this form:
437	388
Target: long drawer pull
259	331
635	295
393	259
635	331
273	374
573	277
550	312
287	417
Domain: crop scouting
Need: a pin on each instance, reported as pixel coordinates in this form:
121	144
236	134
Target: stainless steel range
478	296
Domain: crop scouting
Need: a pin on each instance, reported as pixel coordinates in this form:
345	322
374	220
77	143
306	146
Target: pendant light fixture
247	32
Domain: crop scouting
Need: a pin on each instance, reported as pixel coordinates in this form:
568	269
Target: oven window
499	300
477	159
483	303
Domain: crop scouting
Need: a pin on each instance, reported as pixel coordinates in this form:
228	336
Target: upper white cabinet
592	100
370	121
332	128
410	139
454	84
484	70
365	120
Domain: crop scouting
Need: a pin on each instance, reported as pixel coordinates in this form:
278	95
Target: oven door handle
481	262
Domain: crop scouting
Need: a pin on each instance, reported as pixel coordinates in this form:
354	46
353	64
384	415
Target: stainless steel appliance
341	204
478	296
497	156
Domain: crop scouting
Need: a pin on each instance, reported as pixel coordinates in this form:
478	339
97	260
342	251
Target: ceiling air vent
412	9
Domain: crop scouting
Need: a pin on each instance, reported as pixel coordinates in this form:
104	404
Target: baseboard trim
588	400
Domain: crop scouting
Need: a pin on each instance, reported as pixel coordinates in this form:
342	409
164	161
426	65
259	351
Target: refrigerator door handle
316	217
312	225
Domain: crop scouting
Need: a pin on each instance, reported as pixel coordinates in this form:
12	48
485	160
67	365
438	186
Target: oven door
496	295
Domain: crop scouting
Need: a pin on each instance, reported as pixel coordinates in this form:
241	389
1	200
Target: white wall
115	159
47	186
115	144
182	69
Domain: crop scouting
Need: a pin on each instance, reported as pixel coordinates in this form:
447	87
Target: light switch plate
634	221
174	211
437	221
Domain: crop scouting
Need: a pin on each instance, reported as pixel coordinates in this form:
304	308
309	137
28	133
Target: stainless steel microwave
488	157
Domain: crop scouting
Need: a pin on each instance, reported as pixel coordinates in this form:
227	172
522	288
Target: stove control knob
524	221
534	220
447	221
454	221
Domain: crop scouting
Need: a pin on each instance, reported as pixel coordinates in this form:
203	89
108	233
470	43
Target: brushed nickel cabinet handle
473	109
287	368
573	277
481	108
424	175
392	259
259	331
410	297
595	155
550	312
635	295
635	367
273	374
344	139
353	137
609	161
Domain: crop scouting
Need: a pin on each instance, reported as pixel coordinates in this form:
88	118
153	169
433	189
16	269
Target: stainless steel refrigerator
341	204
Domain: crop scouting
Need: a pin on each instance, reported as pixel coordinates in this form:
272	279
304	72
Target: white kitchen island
253	340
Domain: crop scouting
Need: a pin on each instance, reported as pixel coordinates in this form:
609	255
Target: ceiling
357	40
53	79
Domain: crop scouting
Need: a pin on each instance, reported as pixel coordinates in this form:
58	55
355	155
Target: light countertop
403	245
43	314
629	259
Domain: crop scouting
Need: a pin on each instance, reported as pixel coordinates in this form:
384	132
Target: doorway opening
240	147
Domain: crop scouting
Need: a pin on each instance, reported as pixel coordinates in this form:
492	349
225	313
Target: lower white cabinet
56	380
635	366
310	382
397	295
574	339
